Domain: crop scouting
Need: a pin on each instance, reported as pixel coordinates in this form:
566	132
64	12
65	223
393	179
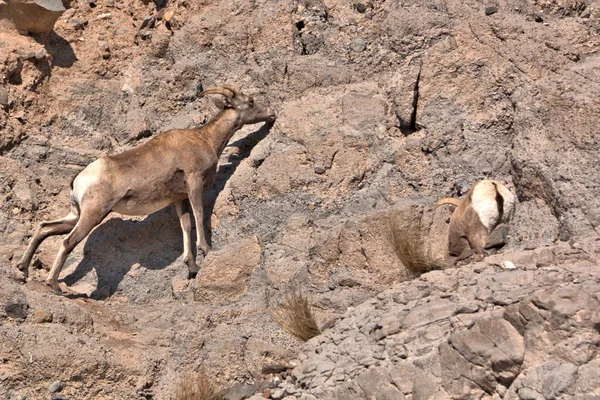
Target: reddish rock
35	16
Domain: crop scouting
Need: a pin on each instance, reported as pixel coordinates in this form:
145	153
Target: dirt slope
383	108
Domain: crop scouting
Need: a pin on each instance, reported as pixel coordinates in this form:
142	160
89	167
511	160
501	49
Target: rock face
471	332
383	108
34	16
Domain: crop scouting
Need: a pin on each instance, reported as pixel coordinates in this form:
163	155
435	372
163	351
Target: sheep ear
220	103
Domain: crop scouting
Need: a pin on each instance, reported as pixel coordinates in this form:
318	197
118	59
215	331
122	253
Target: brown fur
174	166
467	235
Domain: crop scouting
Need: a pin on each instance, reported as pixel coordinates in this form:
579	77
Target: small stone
77	24
278	394
538	18
274	368
359	45
159	3
432	6
361	8
41	317
17	308
59	396
145	34
148	22
508	265
4	99
41	54
104	16
169	16
104	46
240	392
56	386
25	55
491	10
319	169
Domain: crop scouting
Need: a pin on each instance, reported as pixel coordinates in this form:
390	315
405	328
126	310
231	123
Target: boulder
35	16
225	273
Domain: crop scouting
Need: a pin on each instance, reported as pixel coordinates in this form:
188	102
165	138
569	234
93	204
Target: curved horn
222	91
235	90
448	200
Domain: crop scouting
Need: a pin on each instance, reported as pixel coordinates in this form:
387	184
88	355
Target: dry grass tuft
196	387
295	315
409	245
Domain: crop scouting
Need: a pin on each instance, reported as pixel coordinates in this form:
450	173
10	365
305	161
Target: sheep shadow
117	245
62	52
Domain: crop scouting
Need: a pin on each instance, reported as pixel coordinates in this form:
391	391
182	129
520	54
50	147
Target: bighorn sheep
487	204
174	167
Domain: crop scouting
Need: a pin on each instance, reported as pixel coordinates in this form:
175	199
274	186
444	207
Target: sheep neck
222	128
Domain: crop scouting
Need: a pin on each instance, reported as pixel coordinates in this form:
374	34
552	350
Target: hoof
54	287
193	270
478	257
204	251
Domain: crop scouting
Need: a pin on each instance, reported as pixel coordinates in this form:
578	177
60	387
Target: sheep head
249	111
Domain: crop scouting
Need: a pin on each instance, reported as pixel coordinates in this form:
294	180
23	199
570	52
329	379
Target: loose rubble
469	332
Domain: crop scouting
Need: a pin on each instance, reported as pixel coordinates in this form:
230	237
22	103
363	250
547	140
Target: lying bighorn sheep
487	204
175	166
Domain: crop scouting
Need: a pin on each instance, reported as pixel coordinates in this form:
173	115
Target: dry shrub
295	315
196	387
409	245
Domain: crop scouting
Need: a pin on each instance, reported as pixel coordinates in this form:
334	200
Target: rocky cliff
383	108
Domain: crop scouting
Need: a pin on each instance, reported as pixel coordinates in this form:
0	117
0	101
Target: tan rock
282	264
180	287
42	316
35	16
225	274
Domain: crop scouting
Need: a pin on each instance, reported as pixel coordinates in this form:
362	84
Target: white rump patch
87	178
484	203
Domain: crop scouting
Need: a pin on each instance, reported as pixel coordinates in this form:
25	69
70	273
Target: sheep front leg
195	189
186	227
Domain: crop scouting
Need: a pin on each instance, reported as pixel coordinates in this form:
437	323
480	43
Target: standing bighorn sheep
487	204
174	167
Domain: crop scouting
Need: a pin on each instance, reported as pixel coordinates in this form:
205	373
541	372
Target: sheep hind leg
475	249
461	250
477	242
45	229
183	212
87	221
